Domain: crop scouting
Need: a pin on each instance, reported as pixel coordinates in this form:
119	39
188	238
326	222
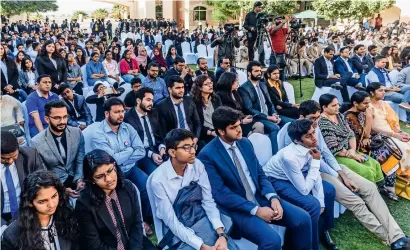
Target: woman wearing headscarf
142	59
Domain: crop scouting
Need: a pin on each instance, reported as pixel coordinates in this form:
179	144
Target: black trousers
251	52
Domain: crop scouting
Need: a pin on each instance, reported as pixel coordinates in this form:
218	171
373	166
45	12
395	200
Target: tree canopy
226	9
100	14
353	9
117	11
17	7
77	14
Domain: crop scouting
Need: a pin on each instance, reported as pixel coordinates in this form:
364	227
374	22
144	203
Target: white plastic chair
84	73
393	76
326	90
203	53
157	221
210	36
211	53
168	43
149	51
192	45
87	132
130	35
123	37
189	57
262	146
26	123
290	92
242	78
158	38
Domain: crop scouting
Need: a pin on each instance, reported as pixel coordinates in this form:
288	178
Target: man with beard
62	148
182	70
203	69
145	121
156	83
240	187
257	102
278	35
177	110
122	142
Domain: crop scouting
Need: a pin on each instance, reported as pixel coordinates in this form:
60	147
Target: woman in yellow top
386	122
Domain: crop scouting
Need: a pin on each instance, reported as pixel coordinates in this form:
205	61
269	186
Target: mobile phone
107	91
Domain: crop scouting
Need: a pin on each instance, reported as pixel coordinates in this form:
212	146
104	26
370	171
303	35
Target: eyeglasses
226	63
108	173
188	148
59	118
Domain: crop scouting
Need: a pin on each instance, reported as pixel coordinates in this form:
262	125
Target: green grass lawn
348	233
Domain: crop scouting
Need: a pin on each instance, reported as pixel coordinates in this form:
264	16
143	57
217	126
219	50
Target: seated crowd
174	148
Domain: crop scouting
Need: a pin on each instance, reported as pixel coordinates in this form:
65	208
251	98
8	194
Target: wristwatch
223	235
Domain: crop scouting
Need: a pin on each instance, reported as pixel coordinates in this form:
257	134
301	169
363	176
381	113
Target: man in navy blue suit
240	187
345	67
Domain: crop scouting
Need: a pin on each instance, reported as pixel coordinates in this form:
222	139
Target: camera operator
226	43
250	25
278	35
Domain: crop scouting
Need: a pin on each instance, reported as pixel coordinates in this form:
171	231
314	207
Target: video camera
229	27
262	19
296	24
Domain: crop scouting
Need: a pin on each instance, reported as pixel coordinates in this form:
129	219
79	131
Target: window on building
158	9
308	5
199	13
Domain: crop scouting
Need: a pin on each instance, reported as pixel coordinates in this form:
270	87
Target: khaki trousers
368	206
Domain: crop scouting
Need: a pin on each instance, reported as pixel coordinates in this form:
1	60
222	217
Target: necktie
148	133
262	100
181	120
61	148
245	183
11	190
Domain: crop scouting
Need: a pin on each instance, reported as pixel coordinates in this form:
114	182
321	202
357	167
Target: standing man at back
250	26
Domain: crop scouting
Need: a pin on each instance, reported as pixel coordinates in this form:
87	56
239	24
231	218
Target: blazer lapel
69	139
53	147
137	120
20	166
227	158
186	109
105	216
249	163
174	114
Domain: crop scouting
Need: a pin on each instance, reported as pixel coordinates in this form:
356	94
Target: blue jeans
128	77
139	178
310	204
399	97
22	95
147	165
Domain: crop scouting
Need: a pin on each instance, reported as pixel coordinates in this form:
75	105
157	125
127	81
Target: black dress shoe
401	244
336	86
327	242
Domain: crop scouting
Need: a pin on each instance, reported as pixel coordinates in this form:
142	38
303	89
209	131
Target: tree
36	16
226	9
77	14
117	11
353	9
100	14
17	7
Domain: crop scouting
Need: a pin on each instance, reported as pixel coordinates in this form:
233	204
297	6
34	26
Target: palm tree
100	14
117	11
77	14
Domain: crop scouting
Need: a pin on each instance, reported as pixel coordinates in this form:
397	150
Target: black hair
63	87
224	116
175	136
315	39
23	64
30	234
326	99
135	80
9	143
173	79
270	70
152	64
198	60
302	43
125	53
357	47
92	161
142	91
385	51
44	52
298	128
96	86
222	59
169	51
379	58
343	48
252	64
112	102
54	104
179	59
372	87
371	47
358	97
94	53
196	92
328	49
309	107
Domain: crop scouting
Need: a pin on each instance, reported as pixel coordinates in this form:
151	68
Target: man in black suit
177	110
182	70
203	69
16	163
360	60
324	74
371	55
145	121
224	66
257	102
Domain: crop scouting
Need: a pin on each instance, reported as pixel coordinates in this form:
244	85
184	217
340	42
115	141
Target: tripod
294	43
262	34
229	39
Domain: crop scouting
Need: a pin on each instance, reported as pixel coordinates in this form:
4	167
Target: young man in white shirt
297	180
172	176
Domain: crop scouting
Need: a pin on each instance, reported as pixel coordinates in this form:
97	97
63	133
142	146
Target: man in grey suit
62	148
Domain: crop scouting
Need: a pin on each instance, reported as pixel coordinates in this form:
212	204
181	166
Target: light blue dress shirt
159	87
125	146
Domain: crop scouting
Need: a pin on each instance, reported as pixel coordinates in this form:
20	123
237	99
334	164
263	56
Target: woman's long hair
23	64
43	51
92	161
17	56
169	51
65	222
83	58
225	84
125	53
196	92
385	51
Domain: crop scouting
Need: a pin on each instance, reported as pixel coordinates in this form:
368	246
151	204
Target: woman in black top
46	219
51	63
227	90
108	210
116	54
9	77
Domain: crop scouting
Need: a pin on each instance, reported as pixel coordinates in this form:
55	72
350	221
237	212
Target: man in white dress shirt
172	176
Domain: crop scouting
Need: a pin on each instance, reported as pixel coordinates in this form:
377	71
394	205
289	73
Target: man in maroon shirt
278	35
